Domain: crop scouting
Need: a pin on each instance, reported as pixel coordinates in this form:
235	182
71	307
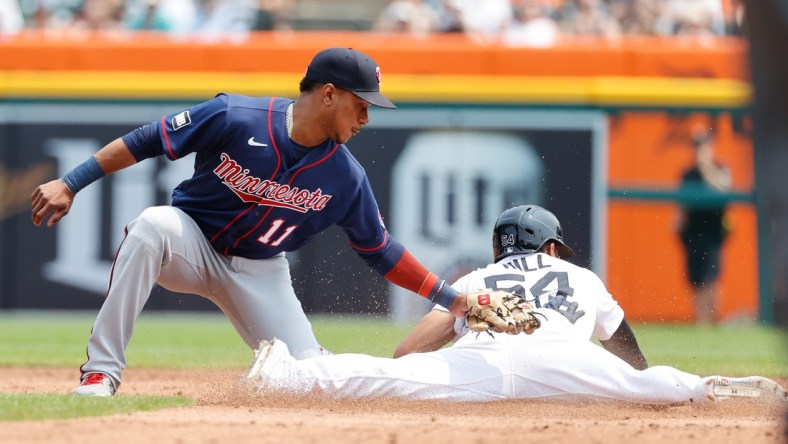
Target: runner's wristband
83	175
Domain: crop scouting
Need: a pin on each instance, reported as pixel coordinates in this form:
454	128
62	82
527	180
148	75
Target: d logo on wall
450	187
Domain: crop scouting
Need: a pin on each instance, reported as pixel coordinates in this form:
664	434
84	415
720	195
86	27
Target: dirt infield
225	413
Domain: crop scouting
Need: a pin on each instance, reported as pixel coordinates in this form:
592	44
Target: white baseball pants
545	365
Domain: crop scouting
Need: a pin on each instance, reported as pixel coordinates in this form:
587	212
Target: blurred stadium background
587	107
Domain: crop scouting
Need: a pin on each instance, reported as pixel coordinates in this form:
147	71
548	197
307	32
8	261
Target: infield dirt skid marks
226	412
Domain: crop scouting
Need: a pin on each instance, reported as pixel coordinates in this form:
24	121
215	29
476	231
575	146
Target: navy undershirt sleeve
145	142
384	259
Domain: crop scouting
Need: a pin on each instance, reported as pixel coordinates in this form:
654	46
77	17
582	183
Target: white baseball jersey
554	287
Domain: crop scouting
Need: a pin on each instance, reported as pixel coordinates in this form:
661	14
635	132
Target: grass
16	407
207	340
178	340
200	341
174	340
716	350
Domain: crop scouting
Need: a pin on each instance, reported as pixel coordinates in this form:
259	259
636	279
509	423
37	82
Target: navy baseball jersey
255	192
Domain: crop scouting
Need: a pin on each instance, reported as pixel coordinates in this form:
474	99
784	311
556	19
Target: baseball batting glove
501	312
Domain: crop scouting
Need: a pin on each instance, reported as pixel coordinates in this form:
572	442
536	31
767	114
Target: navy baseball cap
349	69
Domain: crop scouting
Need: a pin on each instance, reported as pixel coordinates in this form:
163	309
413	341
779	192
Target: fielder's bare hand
51	198
459	308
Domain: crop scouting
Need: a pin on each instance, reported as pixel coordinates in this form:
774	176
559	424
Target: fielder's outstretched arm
624	345
57	196
395	263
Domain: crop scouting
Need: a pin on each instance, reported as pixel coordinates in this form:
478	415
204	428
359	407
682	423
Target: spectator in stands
273	14
11	20
449	16
641	17
484	20
50	14
226	18
588	17
407	16
531	25
693	21
698	18
99	15
172	16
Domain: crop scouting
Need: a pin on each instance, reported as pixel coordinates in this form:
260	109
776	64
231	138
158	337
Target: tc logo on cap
377	74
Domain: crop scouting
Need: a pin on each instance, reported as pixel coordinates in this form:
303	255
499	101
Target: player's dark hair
308	85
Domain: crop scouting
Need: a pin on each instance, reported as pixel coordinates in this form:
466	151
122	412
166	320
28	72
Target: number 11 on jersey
265	239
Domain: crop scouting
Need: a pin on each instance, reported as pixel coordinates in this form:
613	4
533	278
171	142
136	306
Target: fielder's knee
154	227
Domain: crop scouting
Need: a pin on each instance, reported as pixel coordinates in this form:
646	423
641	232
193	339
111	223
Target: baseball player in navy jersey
269	174
556	362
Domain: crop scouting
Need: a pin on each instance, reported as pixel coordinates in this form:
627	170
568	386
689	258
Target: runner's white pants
545	365
165	246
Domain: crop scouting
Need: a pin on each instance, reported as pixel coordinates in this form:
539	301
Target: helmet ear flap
506	239
496	246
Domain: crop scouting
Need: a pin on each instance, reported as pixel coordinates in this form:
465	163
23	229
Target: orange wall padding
401	54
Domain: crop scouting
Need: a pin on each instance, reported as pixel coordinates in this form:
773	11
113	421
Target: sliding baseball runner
556	361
